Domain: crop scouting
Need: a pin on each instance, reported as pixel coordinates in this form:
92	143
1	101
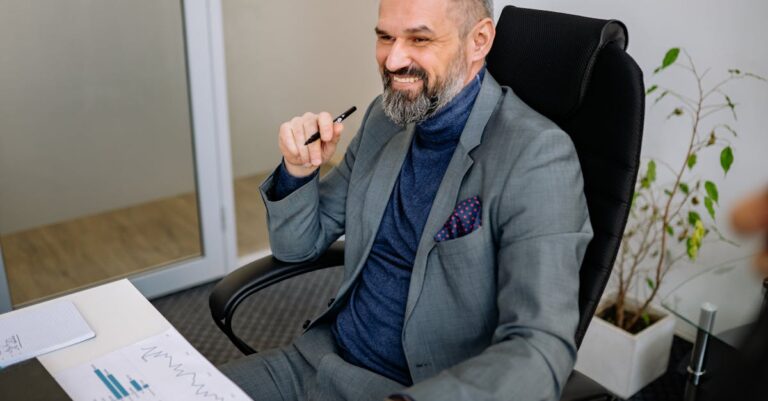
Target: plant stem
666	217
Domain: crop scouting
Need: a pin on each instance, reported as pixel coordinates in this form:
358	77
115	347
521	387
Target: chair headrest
547	57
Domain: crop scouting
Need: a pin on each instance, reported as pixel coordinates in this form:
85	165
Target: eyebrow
411	31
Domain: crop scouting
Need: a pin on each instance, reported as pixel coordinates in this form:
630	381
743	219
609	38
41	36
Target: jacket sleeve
544	231
303	224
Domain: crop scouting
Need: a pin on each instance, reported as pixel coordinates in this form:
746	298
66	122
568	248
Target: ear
480	39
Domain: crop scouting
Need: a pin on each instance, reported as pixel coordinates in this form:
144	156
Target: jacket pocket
471	249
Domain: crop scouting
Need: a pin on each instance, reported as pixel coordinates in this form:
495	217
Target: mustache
410	70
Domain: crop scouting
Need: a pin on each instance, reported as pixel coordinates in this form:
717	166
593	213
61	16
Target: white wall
93	108
719	35
285	58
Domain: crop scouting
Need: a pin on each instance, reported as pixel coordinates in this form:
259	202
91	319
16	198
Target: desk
735	290
721	304
133	343
117	313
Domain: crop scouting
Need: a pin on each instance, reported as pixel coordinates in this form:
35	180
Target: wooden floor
49	260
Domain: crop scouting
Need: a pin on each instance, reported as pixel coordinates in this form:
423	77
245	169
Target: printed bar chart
114	385
176	371
107	383
118	385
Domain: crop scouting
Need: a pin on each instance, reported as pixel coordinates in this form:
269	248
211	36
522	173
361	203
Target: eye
420	40
385	38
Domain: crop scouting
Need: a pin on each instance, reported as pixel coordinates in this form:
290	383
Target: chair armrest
235	287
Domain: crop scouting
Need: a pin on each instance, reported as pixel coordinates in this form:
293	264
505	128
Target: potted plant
627	345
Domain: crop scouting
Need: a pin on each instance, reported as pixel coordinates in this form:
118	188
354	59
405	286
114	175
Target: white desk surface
117	313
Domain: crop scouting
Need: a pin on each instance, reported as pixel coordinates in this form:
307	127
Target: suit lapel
445	199
386	170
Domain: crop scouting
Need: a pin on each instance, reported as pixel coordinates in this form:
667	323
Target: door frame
206	82
206	76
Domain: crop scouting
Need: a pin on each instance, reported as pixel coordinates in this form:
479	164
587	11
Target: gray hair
472	11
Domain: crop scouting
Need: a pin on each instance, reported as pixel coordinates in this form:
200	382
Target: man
465	225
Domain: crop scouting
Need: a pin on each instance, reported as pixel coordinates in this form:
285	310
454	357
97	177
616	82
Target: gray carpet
268	319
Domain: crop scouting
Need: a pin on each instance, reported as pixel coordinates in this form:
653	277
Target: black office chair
575	71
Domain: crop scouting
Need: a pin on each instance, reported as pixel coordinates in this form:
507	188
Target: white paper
163	367
39	329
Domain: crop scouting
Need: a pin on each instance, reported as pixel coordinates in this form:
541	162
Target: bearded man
465	224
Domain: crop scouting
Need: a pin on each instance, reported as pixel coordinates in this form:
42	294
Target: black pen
338	119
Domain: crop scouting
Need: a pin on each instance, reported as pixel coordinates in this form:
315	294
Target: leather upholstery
575	71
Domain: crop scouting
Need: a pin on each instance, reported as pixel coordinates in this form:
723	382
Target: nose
398	56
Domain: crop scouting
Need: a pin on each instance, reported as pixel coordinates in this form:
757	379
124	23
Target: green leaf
711	190
670	230
646	319
693	217
694	241
651	89
710	207
649	282
670	57
691	160
726	159
651	174
684	188
734	71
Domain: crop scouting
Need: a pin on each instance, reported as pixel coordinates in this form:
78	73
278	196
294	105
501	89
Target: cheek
381	56
430	65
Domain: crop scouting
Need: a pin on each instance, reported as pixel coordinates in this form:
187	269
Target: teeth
408	80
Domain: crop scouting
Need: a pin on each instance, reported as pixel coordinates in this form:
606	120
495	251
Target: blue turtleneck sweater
368	328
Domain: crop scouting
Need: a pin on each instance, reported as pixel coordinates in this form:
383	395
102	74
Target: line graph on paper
164	367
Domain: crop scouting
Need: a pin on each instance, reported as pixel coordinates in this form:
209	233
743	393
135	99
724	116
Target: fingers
300	136
293	135
325	125
338	128
310	123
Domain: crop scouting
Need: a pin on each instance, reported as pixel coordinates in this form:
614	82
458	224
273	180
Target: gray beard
403	110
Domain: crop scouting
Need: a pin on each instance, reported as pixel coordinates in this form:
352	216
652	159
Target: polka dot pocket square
466	218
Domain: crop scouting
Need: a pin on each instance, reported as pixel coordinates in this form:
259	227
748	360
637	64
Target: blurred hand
751	216
300	160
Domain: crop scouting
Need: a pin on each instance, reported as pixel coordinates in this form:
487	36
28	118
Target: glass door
112	121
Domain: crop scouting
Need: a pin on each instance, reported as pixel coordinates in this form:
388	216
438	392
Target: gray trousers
309	369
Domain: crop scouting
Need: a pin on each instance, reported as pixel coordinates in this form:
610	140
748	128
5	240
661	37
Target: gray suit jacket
490	315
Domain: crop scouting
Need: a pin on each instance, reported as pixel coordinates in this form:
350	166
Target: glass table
719	304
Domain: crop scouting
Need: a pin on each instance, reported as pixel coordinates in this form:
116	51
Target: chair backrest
575	71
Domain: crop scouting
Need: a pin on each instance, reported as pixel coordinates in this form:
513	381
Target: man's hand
301	160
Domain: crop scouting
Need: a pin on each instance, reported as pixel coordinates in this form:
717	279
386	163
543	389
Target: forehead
397	16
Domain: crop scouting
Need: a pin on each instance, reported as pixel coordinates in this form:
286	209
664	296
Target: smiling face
422	56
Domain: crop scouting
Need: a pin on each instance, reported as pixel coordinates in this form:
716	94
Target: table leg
696	367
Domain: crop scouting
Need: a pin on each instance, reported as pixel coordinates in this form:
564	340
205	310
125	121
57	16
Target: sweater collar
447	123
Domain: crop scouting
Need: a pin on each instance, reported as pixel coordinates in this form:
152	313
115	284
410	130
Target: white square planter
622	362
